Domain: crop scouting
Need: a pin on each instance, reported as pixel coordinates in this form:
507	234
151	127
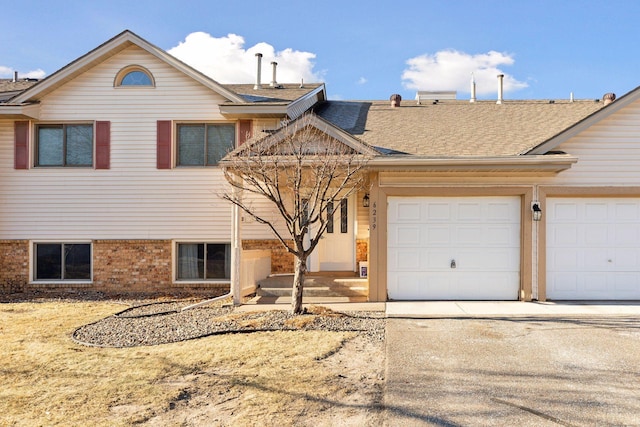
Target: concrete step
314	286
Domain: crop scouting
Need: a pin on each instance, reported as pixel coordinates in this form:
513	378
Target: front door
336	249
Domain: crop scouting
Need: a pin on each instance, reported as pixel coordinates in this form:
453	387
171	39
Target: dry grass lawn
268	378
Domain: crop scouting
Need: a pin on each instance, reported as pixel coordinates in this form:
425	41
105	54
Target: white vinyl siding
133	199
608	153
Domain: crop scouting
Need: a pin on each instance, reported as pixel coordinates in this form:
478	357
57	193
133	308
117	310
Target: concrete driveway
513	371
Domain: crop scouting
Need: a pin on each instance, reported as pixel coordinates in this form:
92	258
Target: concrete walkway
454	309
438	309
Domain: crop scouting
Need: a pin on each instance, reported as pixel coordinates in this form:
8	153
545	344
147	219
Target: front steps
316	286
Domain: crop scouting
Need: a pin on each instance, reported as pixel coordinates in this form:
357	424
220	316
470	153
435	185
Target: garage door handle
453	263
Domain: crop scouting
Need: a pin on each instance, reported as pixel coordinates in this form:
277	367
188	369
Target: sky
362	50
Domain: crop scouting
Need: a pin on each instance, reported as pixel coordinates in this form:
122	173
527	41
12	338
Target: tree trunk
298	285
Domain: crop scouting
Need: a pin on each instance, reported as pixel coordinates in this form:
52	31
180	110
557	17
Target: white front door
453	248
336	249
593	248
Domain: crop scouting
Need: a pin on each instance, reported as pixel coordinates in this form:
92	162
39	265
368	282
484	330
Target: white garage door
593	249
453	248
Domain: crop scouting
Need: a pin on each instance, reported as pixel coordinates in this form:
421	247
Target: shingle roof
10	88
456	128
285	93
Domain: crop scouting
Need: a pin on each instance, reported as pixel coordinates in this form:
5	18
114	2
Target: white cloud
451	70
362	80
227	61
8	72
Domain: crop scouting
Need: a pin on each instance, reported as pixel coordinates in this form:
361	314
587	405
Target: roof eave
25	111
548	165
244	111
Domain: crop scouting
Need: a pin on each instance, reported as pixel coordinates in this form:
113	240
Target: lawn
265	378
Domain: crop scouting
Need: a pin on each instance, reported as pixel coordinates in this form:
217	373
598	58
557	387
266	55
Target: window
204	144
64	145
62	261
204	261
134	75
344	218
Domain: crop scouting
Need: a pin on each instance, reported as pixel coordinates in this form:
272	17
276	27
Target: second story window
64	145
204	144
134	76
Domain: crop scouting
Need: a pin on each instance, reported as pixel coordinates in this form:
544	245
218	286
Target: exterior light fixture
537	212
365	201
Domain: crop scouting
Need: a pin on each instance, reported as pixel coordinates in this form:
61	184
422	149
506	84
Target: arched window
134	76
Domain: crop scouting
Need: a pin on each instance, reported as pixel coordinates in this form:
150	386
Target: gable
93	95
608	150
308	135
113	47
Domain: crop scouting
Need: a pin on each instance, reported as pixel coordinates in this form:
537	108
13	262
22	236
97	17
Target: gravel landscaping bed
162	323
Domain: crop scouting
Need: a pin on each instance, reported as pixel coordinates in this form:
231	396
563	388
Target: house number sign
374	216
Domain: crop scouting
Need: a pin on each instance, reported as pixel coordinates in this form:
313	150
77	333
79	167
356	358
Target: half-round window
134	76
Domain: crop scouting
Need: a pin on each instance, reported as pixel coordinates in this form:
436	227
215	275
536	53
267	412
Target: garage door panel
598	235
437	212
481	234
564	236
598	255
437	235
407	236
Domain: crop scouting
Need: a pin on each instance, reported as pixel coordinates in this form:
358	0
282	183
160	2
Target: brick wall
362	249
14	265
119	267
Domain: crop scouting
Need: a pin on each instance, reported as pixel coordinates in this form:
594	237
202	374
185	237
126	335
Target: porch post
236	248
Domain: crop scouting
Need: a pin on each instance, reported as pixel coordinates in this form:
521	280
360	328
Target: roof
10	88
283	94
453	128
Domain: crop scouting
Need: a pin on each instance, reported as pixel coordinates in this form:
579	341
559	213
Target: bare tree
303	169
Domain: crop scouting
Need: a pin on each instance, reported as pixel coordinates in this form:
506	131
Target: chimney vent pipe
500	79
15	76
258	74
473	89
274	82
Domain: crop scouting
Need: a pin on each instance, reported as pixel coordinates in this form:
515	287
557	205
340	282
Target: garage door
593	249
453	248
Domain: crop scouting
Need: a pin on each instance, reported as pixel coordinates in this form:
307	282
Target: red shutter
245	131
21	145
103	145
163	153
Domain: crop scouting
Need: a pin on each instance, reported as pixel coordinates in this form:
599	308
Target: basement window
203	261
62	261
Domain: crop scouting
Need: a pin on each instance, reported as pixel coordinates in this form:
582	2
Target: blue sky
361	49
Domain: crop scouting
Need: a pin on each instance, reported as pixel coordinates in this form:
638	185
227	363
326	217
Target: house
109	181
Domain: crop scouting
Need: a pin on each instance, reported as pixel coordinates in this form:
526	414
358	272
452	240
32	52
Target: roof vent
258	85
608	98
15	76
473	89
434	95
395	100
274	83
500	79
